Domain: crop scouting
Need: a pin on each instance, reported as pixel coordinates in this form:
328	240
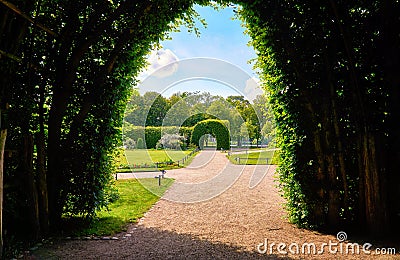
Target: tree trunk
42	184
3	135
339	148
318	210
333	194
55	157
30	186
361	218
375	203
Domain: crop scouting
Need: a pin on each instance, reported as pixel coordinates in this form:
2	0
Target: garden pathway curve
214	210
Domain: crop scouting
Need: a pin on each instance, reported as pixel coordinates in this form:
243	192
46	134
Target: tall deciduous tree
219	109
158	107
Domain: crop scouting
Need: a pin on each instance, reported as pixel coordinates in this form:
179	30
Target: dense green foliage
152	134
330	69
67	88
217	128
187	133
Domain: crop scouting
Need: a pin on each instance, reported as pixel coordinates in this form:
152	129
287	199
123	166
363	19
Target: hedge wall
151	134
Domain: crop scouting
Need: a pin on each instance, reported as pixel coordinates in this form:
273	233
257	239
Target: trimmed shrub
152	135
187	133
217	128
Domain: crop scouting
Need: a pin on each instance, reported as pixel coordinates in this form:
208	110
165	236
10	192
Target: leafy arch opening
216	128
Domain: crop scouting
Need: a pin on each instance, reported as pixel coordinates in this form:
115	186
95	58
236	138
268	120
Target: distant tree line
249	121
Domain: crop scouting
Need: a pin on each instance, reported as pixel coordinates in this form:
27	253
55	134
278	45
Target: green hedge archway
214	127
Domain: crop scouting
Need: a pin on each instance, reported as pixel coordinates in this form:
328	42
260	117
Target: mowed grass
137	196
253	158
145	160
143	156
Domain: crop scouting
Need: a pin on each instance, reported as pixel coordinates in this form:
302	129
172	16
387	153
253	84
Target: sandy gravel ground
214	210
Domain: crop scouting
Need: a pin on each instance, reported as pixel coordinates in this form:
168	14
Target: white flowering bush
171	141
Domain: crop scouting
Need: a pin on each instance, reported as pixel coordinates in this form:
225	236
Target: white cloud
252	88
163	63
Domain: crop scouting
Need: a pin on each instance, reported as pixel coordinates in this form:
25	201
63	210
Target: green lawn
145	160
136	198
253	158
142	156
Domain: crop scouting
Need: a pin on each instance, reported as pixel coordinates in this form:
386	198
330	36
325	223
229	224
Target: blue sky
222	40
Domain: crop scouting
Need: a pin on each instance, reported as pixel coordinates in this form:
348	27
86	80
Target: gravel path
214	210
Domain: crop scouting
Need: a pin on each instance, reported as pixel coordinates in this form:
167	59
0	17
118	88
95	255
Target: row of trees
332	70
66	73
254	121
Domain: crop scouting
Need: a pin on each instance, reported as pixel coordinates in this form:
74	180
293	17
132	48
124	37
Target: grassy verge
255	158
144	160
137	196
